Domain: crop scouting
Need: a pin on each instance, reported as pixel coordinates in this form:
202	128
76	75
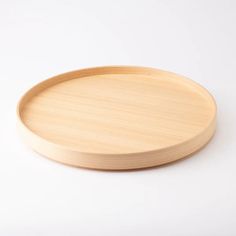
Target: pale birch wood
117	117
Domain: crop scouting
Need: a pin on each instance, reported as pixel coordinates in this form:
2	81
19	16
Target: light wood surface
117	117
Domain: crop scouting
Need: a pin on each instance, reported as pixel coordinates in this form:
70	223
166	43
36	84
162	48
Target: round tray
117	117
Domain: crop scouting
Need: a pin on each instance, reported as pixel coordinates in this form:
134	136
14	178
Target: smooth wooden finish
117	117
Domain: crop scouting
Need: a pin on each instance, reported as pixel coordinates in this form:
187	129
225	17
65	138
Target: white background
195	196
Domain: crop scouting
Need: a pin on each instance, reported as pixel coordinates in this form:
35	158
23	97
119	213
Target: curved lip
66	148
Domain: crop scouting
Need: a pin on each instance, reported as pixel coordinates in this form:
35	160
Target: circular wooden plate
117	117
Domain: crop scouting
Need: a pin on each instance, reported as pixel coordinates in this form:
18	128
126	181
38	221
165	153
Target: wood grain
117	117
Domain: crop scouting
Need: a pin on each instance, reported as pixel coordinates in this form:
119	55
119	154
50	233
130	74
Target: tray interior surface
117	113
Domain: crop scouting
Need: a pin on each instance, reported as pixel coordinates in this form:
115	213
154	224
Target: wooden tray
117	117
